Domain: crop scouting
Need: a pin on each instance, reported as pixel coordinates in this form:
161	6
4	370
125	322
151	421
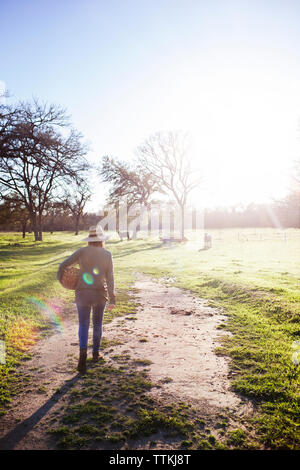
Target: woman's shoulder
77	252
107	252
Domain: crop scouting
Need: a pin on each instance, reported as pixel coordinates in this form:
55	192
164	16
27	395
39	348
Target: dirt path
178	333
51	369
173	332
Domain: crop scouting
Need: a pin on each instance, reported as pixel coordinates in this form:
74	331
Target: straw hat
96	234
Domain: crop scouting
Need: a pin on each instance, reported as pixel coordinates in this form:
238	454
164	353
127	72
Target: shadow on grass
32	253
129	250
13	437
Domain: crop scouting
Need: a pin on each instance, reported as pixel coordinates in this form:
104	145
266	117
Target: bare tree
39	151
132	183
75	199
165	157
17	212
13	213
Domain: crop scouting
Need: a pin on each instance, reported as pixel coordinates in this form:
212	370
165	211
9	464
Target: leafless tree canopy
74	199
136	184
38	151
166	157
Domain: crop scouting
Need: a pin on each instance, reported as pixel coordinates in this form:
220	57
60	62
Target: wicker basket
70	278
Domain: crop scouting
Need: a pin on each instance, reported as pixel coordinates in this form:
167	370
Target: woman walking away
96	270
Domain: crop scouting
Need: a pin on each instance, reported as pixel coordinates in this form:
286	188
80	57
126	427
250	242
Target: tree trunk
160	228
117	218
34	226
40	231
149	220
172	217
77	220
182	222
24	224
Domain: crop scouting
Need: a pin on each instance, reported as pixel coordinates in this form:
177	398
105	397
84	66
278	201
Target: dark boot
95	356
82	361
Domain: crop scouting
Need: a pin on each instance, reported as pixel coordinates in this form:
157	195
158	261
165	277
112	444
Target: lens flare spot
88	279
96	271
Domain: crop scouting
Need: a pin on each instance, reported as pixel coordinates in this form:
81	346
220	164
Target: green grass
255	282
31	299
262	301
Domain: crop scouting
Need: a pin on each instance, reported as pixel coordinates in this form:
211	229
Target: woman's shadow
13	437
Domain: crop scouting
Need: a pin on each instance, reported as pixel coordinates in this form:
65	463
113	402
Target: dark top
96	277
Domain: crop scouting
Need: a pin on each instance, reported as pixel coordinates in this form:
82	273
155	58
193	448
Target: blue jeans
84	323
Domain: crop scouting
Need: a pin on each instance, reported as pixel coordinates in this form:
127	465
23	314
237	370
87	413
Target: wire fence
257	235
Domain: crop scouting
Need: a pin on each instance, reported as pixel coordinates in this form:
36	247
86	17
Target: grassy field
255	281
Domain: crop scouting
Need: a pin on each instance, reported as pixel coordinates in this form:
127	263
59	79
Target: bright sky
226	71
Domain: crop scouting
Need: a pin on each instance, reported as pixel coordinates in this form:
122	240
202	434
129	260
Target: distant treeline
283	214
53	223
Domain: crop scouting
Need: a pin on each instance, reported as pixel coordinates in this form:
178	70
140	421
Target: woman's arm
110	281
73	259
